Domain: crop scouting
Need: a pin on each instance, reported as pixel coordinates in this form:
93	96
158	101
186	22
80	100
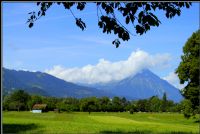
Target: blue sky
57	46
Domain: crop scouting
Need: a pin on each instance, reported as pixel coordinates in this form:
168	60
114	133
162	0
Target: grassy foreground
143	123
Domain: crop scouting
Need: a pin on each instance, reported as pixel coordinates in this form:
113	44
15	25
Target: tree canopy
22	101
139	14
17	100
188	69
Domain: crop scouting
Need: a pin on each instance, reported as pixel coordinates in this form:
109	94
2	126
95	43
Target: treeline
19	100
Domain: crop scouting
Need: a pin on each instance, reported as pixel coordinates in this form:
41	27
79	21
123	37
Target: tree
164	103
188	69
89	104
18	100
61	106
124	102
142	105
186	107
139	14
117	104
103	103
155	104
51	102
6	101
35	99
131	107
68	104
170	106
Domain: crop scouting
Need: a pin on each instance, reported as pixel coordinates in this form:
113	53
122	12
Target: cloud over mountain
105	71
173	79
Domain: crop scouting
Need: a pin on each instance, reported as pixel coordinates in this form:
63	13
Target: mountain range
45	84
140	86
144	84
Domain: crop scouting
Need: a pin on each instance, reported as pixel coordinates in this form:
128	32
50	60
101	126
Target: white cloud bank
105	71
173	79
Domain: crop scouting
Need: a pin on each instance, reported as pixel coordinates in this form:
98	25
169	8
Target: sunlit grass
27	122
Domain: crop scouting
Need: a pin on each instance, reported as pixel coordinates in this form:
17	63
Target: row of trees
20	100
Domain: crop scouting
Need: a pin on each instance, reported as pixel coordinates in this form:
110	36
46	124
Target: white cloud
173	79
105	70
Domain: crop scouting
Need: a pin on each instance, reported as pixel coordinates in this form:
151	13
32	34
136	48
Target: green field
79	122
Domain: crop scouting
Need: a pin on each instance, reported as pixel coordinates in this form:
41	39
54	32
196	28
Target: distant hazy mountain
142	85
45	84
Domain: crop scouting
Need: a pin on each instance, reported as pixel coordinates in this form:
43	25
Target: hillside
140	86
45	84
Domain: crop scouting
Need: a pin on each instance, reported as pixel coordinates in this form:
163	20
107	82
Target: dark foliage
188	69
94	104
140	14
18	100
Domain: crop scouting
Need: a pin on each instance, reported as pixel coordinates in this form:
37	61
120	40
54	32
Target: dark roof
39	106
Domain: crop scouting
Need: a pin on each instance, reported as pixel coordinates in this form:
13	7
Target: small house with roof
39	108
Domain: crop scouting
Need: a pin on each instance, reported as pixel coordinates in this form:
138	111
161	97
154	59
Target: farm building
39	108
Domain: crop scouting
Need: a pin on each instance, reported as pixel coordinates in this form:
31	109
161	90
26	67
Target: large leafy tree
188	69
104	103
17	100
141	15
154	104
89	104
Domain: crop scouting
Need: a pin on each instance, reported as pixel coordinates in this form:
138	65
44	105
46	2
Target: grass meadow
99	122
